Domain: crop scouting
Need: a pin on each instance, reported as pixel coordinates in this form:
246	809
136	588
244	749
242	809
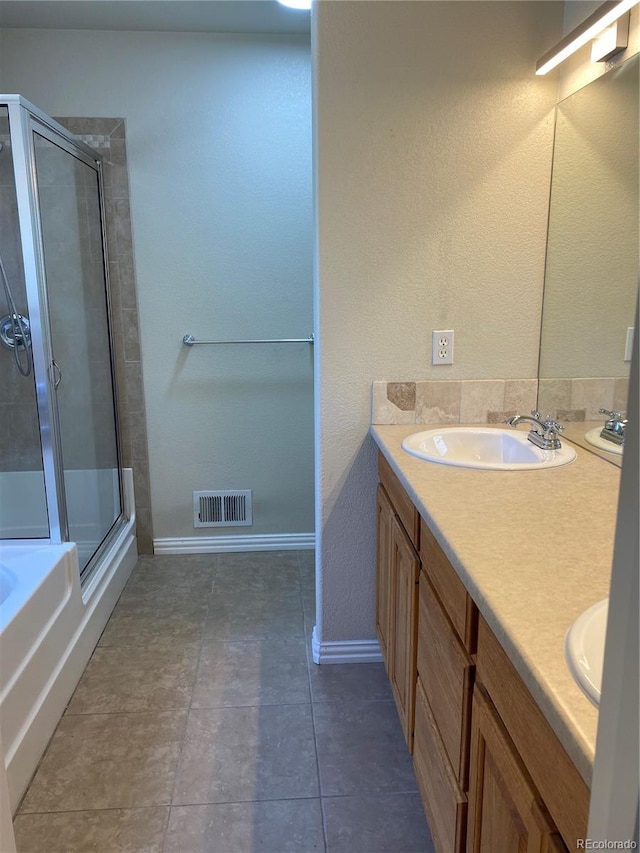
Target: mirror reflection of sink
584	649
594	438
490	448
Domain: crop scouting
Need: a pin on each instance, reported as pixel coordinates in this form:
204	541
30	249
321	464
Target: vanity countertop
534	549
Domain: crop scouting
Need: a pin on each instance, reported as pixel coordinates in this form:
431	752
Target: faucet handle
549	423
615	416
552	425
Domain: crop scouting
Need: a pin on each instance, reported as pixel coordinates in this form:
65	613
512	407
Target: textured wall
433	153
219	145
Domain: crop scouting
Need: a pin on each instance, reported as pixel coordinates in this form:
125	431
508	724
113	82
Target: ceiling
202	16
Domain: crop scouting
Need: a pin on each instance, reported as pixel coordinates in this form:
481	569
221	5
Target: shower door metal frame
24	120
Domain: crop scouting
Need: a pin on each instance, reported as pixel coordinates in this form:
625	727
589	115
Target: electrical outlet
442	347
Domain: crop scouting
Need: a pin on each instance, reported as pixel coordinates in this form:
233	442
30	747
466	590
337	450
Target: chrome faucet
613	430
543	433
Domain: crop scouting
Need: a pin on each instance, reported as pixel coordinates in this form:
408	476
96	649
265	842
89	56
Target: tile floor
200	724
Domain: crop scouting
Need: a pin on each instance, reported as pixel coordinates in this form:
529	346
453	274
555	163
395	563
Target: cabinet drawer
447	673
455	599
444	803
402	503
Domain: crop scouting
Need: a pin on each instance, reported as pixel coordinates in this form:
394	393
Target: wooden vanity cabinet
492	774
398	568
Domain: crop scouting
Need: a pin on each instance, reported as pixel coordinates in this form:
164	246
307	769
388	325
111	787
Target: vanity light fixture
614	39
296	4
605	16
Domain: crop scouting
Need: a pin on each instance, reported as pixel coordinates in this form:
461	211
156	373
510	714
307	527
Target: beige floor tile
348	682
154	626
257	572
265	615
109	831
105	761
280	826
191	574
361	749
251	673
124	679
389	823
242	754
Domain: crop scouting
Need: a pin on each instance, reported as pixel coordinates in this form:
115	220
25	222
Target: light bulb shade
296	4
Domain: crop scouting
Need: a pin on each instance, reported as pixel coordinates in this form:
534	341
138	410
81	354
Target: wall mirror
591	276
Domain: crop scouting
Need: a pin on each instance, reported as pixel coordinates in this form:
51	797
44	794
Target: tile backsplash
492	401
580	399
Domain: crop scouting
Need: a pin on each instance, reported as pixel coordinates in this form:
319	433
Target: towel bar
190	341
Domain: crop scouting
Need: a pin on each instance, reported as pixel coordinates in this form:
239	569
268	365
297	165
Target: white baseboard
227	544
345	651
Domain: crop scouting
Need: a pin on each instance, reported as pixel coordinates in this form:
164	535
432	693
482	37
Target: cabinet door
405	569
383	575
505	811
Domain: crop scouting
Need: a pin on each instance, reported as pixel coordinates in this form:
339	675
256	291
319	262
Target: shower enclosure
60	467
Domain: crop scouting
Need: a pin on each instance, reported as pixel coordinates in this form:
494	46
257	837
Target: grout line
105	809
245	802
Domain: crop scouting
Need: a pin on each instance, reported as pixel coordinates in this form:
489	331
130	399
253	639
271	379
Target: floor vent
222	509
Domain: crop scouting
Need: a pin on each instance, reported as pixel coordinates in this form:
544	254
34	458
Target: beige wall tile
383	411
478	398
620	393
144	530
438	402
141	484
501	417
554	394
571	415
402	395
131	335
520	395
591	394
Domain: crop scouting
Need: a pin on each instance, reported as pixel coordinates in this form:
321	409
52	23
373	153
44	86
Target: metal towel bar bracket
190	341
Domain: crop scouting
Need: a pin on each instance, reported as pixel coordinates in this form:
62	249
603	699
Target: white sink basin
593	437
584	649
491	448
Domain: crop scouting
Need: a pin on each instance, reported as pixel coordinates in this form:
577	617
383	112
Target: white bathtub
49	627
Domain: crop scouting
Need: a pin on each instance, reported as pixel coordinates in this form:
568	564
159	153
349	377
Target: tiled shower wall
494	400
107	136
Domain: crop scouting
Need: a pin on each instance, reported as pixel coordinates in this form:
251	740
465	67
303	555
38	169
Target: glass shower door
71	226
23	505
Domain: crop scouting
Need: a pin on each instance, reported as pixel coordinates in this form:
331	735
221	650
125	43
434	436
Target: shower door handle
56	375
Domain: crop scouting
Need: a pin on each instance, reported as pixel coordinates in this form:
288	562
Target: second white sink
490	448
584	649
